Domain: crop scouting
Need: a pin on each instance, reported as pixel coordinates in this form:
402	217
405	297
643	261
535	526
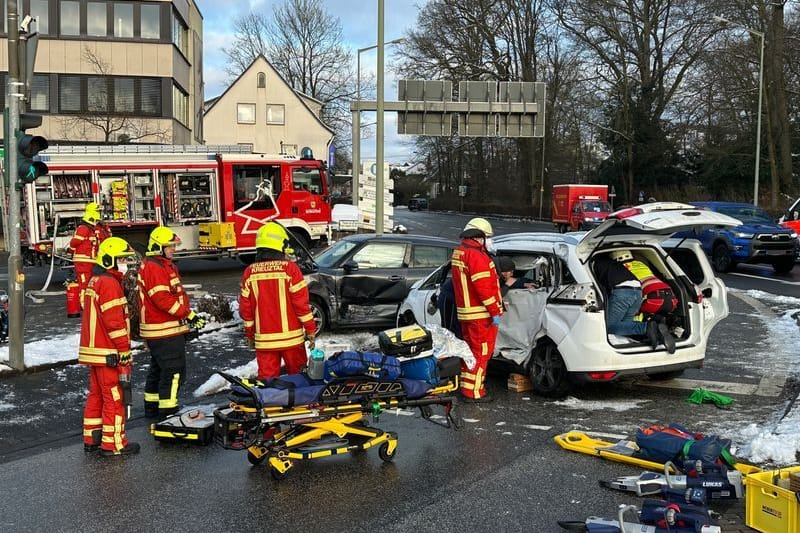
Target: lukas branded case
407	341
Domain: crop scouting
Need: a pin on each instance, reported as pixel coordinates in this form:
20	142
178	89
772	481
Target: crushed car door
374	282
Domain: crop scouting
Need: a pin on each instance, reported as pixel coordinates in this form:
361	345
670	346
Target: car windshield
748	214
332	255
597	206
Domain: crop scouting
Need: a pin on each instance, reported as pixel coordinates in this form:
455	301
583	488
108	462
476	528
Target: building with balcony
114	71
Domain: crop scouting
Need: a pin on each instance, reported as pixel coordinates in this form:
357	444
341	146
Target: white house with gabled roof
259	109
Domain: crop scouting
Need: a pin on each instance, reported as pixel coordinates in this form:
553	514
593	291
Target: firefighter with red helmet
85	242
105	346
478	303
274	305
164	321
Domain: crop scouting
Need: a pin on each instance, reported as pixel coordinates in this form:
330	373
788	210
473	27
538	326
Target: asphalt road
501	472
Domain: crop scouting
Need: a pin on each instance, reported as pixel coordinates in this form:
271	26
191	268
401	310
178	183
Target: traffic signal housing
29	146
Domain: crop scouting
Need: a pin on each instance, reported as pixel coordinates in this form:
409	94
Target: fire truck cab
214	198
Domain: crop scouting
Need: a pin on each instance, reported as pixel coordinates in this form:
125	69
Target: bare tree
114	126
305	44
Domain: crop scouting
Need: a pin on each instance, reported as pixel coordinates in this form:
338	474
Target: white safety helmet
621	255
477	227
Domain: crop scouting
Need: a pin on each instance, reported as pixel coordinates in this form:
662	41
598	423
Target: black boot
666	337
130	449
97	438
652	333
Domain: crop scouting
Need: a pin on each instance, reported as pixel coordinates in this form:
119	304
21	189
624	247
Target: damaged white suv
557	332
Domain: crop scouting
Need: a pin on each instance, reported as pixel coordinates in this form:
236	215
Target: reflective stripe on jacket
85	241
475	282
105	327
274	306
163	303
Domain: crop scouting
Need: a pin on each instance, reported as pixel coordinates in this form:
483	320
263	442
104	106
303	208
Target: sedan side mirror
350	267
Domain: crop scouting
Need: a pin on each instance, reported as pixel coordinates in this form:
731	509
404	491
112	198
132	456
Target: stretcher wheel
383	452
254	459
277	475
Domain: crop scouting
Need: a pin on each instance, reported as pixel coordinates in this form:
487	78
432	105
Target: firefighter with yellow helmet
478	303
164	319
84	244
274	305
105	346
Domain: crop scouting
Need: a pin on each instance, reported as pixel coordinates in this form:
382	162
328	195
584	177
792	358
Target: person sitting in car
624	299
507	267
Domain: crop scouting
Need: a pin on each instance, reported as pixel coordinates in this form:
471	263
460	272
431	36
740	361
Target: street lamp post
357	118
760	96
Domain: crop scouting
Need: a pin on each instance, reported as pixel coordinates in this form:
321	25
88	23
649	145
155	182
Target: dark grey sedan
361	280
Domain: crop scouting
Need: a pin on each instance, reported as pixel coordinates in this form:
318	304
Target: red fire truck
215	198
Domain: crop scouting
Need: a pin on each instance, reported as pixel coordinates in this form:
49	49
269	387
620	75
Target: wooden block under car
519	383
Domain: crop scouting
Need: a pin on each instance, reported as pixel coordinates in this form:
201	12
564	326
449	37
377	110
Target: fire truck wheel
320	315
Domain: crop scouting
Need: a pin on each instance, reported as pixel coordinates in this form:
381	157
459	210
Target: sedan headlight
794	235
743	235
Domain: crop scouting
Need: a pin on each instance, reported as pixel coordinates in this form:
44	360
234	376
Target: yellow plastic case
769	507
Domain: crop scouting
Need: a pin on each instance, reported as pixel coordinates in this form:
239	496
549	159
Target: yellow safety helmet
273	236
92	214
477	227
110	250
160	238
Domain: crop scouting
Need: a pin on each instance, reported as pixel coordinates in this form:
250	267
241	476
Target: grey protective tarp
521	324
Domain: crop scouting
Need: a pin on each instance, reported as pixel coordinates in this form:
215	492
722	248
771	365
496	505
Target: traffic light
27	147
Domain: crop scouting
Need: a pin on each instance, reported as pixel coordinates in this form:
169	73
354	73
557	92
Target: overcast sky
359	26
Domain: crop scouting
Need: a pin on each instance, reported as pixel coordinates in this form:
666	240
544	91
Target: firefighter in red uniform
105	346
274	305
478	304
84	244
164	320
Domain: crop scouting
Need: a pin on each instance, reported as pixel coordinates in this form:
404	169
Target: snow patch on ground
618	406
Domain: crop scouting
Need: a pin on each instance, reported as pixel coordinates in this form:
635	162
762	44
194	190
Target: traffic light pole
16	276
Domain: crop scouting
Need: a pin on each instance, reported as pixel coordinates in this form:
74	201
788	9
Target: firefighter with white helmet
164	320
105	346
478	303
88	236
274	305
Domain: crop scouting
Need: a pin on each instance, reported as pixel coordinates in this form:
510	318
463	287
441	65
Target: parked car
361	280
417	203
758	239
557	332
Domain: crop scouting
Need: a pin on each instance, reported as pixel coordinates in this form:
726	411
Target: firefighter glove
125	358
311	338
496	320
195	320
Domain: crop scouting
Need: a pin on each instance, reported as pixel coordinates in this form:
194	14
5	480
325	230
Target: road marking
770	386
765	279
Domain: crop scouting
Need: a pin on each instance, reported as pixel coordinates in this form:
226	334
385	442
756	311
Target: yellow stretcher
623	451
333	426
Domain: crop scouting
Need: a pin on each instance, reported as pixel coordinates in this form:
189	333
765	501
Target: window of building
246	113
70	17
262	80
180	105
97	94
124	95
150	96
276	113
97	19
123	20
151	21
180	35
41	9
40	93
69	94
